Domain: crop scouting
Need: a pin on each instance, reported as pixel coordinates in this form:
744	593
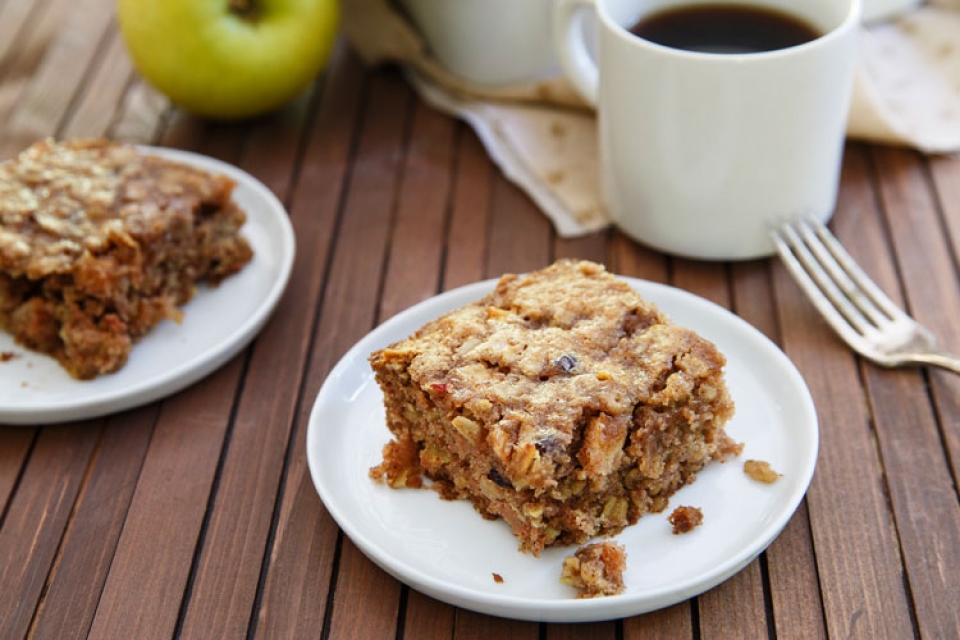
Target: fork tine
791	247
852	289
862	280
821	276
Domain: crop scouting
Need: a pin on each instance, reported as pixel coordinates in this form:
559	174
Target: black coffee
725	28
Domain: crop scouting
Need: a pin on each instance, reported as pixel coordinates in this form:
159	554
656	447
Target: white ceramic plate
446	550
218	322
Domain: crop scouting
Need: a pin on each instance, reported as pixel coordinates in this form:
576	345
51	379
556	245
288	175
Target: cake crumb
498	578
7	356
761	471
685	519
595	570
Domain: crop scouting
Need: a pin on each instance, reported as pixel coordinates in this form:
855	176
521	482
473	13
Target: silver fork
854	306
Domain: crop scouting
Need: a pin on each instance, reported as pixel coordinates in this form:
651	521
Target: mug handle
571	48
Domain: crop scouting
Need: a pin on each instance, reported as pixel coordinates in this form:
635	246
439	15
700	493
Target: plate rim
176	379
572	610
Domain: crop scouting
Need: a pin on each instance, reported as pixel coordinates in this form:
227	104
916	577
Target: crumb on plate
685	519
761	471
596	569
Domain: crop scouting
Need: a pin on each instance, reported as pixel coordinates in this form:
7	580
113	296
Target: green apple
229	59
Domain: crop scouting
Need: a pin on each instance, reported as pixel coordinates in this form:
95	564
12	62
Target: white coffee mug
701	152
488	42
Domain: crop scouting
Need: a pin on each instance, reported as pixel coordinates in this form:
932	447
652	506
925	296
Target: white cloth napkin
907	92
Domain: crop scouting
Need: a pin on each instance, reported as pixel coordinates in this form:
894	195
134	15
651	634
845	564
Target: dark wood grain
57	77
228	566
476	626
413	270
857	557
906	409
735	608
301	554
671	623
195	516
945	175
90	539
15	445
520	237
152	562
95	110
469	224
36	517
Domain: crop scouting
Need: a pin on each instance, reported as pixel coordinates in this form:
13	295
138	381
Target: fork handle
951	363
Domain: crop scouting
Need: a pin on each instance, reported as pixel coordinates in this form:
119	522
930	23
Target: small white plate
218	322
446	550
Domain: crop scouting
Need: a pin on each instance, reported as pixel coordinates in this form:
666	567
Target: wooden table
195	517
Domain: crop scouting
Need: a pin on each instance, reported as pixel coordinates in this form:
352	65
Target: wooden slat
520	236
466	242
149	572
91	538
227	572
55	83
858	564
36	518
16	25
918	472
103	94
630	259
363	587
590	247
417	243
36	31
300	558
376	185
705	279
427	618
141	114
738	603
672	623
468	231
945	173
606	630
15	444
348	312
477	626
794	590
735	608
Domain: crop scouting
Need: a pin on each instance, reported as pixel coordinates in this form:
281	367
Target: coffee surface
725	28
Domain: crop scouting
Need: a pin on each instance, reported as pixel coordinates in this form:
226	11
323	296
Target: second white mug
700	152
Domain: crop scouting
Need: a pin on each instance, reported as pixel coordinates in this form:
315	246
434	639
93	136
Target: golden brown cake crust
562	402
99	243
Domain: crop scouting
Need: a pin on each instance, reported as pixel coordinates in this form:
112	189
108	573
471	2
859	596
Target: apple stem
243	8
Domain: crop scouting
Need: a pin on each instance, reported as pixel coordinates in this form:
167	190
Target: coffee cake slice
562	402
99	243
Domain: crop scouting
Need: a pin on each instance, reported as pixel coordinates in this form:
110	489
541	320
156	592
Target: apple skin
217	62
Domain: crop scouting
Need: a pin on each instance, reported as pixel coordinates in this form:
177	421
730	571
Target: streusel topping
60	200
572	332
